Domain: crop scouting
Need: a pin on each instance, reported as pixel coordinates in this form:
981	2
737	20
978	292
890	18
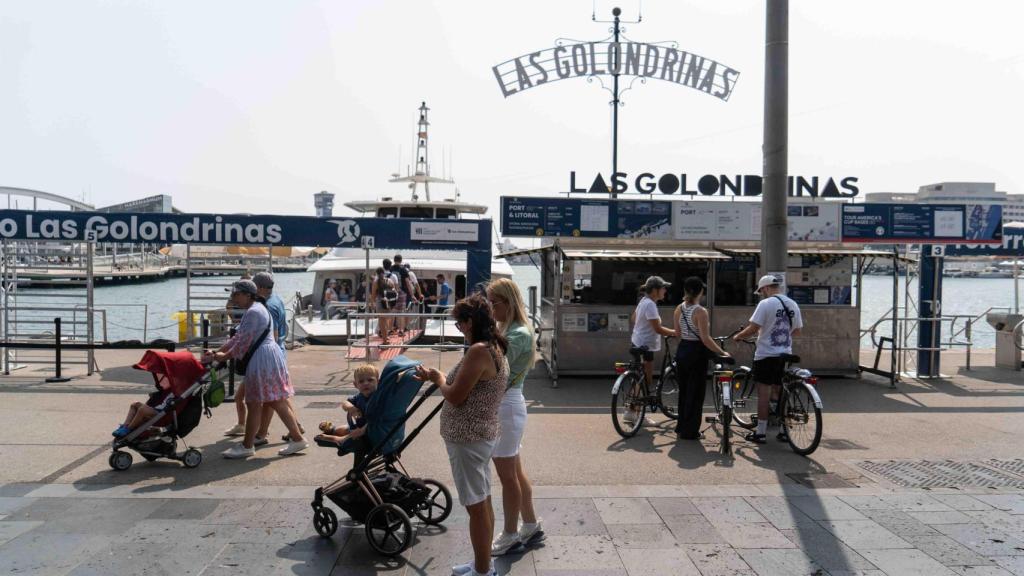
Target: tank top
688	330
477	418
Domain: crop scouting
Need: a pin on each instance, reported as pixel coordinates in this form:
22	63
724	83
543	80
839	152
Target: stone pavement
762	530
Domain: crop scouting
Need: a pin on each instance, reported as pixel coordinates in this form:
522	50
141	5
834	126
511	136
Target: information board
680	220
922	223
585	218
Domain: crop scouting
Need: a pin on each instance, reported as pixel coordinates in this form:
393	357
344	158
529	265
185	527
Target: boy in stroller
365	377
378	491
153	429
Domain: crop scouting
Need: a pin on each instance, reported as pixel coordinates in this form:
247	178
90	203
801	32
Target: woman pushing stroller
266	372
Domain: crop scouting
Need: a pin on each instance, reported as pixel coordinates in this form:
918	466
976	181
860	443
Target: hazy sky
255	105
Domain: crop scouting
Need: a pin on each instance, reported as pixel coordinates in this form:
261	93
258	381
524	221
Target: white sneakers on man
467	569
505	543
293	448
529	532
238	452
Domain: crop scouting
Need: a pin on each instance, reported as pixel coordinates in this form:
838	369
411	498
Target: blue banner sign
1013	246
585	218
922	223
244	229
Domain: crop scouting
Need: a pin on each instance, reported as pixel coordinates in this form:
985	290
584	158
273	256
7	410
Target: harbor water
127	305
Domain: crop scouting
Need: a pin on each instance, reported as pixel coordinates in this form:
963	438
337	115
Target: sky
254	106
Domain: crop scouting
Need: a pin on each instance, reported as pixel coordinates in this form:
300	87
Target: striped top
688	328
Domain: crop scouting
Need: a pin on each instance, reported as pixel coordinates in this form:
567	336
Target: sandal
756	438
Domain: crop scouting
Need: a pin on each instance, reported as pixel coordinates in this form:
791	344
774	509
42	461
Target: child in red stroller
153	428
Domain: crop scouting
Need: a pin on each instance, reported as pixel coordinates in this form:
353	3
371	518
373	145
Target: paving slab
694	530
581	553
672	507
906	563
943	517
947	551
626	511
1012	564
780	562
827	551
980	571
826	508
900	523
1012	503
779	511
570	517
751	535
649	561
657	536
901	502
864	535
727	510
718	560
962	502
984	540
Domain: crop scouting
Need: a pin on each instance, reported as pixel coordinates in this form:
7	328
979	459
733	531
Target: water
961	296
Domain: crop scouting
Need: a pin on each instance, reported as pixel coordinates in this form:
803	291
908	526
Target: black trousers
691	370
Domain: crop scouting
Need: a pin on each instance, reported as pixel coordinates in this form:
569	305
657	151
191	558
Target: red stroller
181	376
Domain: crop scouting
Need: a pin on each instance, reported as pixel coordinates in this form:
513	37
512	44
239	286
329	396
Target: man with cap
775	320
647	329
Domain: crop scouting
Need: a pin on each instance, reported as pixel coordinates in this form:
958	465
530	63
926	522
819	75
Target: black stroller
182	377
378	492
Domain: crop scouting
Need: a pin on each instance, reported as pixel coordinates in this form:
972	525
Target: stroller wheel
120	461
192	458
325	521
437	505
388	530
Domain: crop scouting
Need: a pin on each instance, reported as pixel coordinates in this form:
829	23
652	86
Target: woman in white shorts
516	491
469	421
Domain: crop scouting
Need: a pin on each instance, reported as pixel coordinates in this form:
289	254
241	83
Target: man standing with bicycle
775	320
647	330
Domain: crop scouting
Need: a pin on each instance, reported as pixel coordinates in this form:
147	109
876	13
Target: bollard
57	350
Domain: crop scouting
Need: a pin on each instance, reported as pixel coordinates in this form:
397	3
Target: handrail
974	319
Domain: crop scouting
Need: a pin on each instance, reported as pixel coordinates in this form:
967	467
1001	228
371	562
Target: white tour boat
348	266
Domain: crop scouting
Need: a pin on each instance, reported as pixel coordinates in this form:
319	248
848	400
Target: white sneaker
505	543
468	570
257	442
236	430
293	448
238	452
630	416
528	532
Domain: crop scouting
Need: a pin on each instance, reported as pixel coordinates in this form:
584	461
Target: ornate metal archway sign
610	58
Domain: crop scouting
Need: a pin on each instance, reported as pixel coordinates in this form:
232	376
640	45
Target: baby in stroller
378	491
154	428
366	378
139	412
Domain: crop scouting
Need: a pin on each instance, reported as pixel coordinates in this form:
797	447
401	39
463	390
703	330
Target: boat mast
422	173
422	167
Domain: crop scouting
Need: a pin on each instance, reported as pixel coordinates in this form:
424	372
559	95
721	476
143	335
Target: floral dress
266	377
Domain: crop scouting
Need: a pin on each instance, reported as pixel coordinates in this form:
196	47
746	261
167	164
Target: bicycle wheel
668	393
744	393
801	419
628	405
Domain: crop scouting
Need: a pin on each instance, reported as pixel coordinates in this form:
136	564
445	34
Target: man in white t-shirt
647	328
775	320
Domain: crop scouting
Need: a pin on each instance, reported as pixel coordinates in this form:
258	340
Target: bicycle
798	410
631	397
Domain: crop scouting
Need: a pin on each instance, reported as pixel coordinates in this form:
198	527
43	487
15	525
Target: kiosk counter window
620	282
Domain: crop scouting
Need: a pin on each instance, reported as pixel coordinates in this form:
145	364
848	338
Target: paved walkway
645	506
762	530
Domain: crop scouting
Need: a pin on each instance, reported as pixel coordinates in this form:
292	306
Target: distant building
160	204
957	193
324	204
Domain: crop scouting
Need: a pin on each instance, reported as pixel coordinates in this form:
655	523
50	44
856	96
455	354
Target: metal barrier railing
419	318
1018	330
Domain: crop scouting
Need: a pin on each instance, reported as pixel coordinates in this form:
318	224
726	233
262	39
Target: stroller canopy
386	409
180	368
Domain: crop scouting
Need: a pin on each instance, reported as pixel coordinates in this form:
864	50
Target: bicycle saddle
790	358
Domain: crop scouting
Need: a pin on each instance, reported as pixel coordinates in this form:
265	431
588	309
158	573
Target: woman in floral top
469	420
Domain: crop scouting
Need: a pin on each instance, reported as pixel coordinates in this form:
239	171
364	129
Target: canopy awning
862	252
646	255
525	251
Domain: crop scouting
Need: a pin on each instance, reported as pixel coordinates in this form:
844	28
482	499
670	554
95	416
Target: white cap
767	280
